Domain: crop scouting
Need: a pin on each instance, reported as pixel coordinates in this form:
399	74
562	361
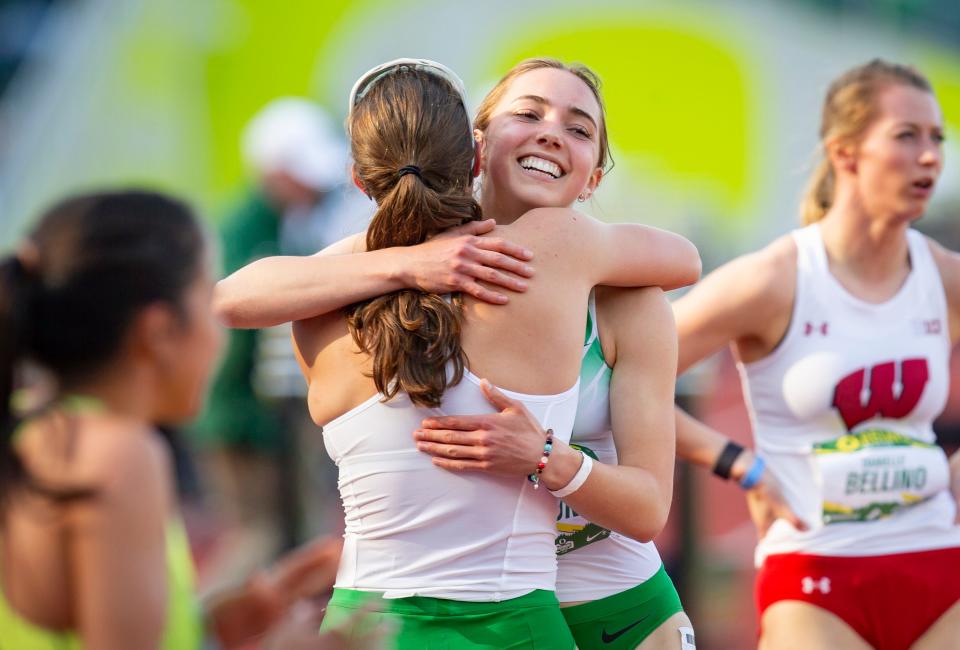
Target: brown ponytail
850	106
413	153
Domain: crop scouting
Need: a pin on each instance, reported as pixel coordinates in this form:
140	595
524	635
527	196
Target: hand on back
460	259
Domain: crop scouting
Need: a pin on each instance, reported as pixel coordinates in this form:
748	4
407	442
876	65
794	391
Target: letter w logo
847	397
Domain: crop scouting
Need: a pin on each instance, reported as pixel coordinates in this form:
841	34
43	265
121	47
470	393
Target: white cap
296	136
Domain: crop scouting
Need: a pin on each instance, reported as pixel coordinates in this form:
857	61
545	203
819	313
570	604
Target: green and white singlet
595	562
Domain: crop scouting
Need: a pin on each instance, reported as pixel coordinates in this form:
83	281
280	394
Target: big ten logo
927	326
887	396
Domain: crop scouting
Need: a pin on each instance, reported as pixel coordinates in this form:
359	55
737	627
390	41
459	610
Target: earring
581	198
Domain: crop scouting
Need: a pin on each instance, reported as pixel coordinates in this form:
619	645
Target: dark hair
413	153
71	291
848	109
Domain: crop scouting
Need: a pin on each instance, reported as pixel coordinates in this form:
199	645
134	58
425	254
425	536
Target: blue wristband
754	474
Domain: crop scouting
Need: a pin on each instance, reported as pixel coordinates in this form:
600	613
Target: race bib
875	473
573	531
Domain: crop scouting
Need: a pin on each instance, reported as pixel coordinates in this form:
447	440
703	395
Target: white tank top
842	412
413	529
596	562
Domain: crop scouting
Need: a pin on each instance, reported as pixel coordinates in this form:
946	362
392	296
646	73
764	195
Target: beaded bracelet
547	448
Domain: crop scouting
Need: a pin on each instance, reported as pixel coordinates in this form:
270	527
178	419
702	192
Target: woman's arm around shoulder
282	289
622	254
117	541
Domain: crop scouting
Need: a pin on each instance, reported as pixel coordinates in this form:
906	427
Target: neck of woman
122	389
499	208
870	247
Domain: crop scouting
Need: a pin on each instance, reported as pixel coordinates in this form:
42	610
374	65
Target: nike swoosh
590	538
610	638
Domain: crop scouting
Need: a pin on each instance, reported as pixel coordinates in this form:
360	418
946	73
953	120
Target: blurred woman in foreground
110	294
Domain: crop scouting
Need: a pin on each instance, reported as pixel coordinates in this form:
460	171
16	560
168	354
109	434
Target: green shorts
624	620
530	622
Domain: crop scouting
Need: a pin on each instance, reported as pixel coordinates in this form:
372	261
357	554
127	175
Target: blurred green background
713	106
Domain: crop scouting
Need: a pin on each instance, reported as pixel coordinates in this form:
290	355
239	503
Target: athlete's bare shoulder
550	222
762	279
773	270
620	254
567	222
560	238
103	454
948	263
748	300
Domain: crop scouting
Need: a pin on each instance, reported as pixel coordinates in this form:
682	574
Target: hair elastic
410	169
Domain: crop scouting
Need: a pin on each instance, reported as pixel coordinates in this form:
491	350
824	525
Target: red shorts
889	600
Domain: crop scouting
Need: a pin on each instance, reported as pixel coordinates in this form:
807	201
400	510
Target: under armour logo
809	585
809	328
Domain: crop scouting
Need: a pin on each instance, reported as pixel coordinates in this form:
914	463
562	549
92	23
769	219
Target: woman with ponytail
459	559
842	332
109	295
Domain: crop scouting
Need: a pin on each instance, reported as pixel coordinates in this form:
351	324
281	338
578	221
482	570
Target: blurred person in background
618	593
109	297
842	331
259	462
110	294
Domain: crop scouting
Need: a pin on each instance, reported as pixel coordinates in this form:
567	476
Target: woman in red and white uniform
842	331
